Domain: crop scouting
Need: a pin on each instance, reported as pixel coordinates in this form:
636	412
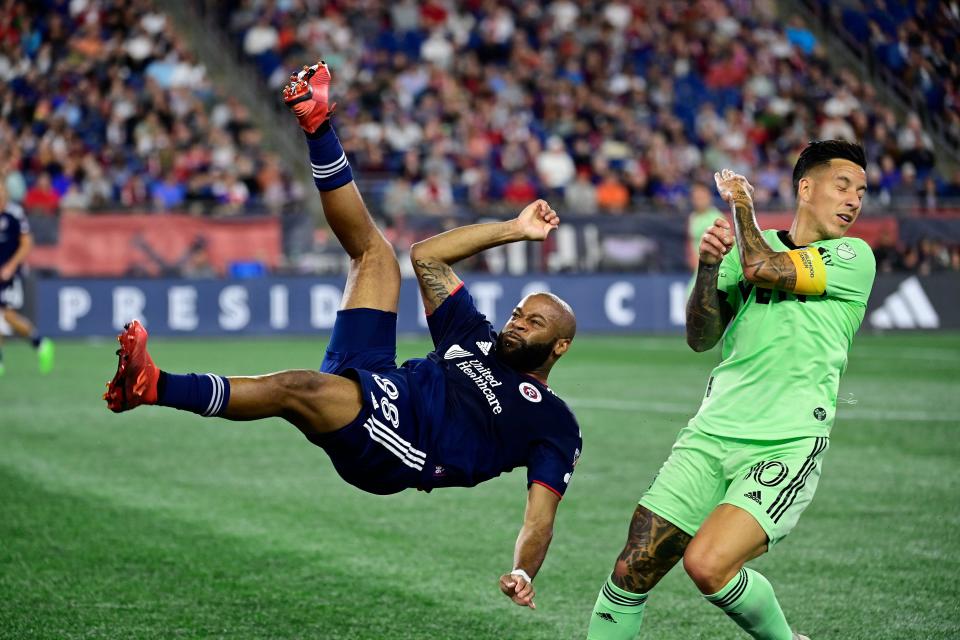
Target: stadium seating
457	96
105	107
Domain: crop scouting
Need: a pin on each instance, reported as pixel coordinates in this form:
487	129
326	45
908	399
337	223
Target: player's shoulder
555	404
15	211
848	250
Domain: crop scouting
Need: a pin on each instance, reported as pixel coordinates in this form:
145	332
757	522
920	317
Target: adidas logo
753	495
484	347
603	615
906	308
456	351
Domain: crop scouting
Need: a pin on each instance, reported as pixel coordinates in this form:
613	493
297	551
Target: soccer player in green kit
787	304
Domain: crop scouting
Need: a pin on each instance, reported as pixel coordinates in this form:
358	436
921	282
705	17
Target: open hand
731	185
537	220
518	589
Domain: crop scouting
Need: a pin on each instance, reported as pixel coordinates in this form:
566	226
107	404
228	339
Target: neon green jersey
783	353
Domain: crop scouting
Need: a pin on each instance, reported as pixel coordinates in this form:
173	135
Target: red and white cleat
307	95
135	382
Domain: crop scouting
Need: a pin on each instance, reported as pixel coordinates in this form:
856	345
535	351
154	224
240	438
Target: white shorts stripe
377	437
410	452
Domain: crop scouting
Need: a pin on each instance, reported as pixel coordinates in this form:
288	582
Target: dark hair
821	152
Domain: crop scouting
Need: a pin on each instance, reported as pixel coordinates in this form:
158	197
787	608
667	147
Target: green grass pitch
161	524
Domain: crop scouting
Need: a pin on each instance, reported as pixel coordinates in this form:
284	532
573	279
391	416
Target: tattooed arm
432	258
761	264
707	315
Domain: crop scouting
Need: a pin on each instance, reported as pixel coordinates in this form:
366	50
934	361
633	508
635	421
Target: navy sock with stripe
204	393
749	600
328	161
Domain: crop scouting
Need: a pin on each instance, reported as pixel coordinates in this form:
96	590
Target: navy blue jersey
13	224
478	417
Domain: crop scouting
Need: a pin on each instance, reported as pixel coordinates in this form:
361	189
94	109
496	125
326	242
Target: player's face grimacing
834	196
538	332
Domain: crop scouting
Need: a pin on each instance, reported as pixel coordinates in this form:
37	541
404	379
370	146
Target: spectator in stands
612	195
399	200
433	195
555	167
41	198
699	220
521	189
580	196
100	93
168	194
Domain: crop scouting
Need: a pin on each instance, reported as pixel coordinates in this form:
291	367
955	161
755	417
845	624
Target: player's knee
707	569
378	255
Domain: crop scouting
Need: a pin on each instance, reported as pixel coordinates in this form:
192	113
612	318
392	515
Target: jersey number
389	410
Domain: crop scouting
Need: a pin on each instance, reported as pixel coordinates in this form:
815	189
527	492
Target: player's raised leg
374	278
714	560
654	545
314	402
25	329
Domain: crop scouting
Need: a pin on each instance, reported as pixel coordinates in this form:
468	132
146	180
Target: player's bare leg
20	325
654	545
373	280
714	560
314	402
25	329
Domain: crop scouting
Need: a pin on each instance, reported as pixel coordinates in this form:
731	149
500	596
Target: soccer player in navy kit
15	243
475	407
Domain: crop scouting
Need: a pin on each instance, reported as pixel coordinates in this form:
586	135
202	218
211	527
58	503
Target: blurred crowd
103	106
606	107
917	41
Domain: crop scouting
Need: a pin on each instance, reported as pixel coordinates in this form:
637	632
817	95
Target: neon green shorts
772	480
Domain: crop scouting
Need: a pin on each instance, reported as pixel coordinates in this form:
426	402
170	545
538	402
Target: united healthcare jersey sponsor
485	418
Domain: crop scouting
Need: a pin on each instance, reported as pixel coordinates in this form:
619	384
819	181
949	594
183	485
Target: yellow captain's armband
811	274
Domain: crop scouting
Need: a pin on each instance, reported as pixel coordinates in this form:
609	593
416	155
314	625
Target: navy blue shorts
378	451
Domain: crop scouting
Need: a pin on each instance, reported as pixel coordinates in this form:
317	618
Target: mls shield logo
456	351
484	346
845	251
530	392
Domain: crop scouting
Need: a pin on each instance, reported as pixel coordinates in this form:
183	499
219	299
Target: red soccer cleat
135	382
307	96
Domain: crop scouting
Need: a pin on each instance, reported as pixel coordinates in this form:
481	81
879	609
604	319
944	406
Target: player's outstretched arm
706	316
432	258
800	271
532	544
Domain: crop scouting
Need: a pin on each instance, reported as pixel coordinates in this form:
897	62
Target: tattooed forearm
761	264
436	280
705	318
653	546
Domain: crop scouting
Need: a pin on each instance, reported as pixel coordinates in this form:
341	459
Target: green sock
617	614
750	602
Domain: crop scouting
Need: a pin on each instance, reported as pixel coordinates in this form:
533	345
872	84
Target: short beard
529	357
